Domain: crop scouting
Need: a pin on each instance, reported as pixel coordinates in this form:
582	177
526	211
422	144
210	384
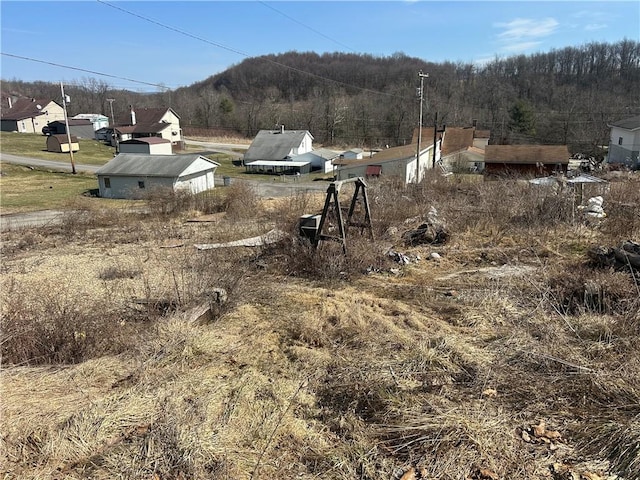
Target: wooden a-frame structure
332	204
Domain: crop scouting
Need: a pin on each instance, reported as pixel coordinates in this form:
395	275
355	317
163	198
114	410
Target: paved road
226	148
52	164
41	218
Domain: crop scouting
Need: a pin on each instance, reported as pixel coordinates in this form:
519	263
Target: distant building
148	122
81	128
624	143
29	115
130	175
526	160
148	145
399	162
97	120
273	151
353	154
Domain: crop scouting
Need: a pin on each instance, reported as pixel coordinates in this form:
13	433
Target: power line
307	26
84	70
233	50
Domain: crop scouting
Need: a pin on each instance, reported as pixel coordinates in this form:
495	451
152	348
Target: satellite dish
38	107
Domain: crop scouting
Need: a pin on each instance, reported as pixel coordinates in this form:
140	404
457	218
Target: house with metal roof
270	148
131	175
624	143
526	160
400	162
29	115
148	122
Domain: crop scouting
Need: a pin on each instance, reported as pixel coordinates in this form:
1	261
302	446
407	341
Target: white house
624	143
147	145
148	122
399	162
270	149
130	175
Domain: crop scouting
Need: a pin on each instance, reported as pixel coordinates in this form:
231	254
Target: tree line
564	96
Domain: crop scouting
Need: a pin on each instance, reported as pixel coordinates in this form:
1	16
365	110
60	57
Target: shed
131	175
353	154
60	143
148	145
532	160
81	128
320	159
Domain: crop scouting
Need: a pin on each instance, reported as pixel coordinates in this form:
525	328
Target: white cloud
595	26
526	28
522	34
520	47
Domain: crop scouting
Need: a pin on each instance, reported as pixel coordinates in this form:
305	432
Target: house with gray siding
624	143
132	175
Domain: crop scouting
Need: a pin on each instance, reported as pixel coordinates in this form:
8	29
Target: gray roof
632	123
274	144
326	153
139	164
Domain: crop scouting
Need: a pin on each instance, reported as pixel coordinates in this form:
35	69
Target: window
141	184
107	182
619	140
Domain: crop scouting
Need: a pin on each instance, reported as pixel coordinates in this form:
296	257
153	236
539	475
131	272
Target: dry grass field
512	356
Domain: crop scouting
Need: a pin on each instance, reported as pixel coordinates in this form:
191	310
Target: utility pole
435	138
421	92
66	123
113	120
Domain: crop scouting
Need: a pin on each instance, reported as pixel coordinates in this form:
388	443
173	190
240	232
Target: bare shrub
240	201
578	289
623	211
328	261
49	326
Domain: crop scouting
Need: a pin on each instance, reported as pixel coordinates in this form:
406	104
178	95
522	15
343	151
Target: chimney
133	115
281	128
9	102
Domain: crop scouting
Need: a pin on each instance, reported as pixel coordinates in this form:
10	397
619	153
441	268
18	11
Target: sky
146	45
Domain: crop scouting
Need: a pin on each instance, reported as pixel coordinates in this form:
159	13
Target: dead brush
578	288
240	201
616	441
328	262
621	204
49	326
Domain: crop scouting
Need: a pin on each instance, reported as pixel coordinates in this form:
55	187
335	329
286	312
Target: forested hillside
561	96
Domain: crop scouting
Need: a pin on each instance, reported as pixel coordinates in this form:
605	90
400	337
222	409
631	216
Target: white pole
66	123
422	77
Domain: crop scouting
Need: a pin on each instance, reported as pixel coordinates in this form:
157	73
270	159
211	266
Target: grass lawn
23	189
92	152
